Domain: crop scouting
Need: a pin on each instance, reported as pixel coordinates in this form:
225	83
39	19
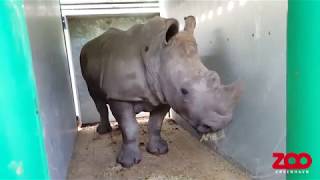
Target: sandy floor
94	158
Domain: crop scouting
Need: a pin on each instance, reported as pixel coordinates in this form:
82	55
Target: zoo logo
296	165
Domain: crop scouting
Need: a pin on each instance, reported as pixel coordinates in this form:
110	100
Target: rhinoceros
153	67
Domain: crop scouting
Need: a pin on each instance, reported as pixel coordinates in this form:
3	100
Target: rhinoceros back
112	63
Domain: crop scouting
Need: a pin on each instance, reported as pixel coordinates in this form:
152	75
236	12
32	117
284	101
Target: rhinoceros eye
184	91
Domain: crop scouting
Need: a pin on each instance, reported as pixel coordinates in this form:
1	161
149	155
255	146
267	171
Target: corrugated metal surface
107	8
245	40
102	1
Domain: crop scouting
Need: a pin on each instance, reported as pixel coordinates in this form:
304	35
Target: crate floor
94	158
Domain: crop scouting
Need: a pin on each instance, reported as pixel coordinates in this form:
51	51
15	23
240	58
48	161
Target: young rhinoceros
152	67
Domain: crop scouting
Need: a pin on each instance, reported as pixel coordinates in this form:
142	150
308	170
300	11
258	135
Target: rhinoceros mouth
213	137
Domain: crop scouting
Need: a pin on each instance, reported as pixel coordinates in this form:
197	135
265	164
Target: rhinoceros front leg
125	115
156	144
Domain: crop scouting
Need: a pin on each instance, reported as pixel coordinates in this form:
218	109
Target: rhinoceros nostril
203	128
222	112
207	127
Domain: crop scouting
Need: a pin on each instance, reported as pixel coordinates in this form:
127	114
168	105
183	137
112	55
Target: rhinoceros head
205	103
192	90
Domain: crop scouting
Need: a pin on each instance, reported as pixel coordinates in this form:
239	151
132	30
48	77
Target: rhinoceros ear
189	24
172	28
234	91
213	79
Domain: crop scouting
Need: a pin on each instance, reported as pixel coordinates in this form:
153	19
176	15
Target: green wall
303	83
21	137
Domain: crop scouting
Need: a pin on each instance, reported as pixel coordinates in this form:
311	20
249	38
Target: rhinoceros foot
103	128
129	155
157	147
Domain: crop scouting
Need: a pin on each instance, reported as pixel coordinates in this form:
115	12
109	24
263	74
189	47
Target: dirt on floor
94	157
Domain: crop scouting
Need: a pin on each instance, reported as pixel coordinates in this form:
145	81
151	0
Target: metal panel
81	30
53	83
245	40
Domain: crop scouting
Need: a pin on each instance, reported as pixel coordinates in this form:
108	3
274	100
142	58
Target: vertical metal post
71	67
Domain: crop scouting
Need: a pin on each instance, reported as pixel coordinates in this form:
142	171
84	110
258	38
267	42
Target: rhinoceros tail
83	63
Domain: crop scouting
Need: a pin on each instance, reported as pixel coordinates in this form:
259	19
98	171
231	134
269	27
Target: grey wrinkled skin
152	67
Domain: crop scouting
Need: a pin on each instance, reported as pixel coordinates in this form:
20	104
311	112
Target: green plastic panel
21	137
303	83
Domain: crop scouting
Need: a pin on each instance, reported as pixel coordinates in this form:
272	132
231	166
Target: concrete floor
94	158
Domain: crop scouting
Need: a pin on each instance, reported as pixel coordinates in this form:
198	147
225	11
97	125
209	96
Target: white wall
245	40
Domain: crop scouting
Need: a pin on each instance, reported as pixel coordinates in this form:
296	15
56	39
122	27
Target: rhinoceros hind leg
103	128
101	105
156	144
125	115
